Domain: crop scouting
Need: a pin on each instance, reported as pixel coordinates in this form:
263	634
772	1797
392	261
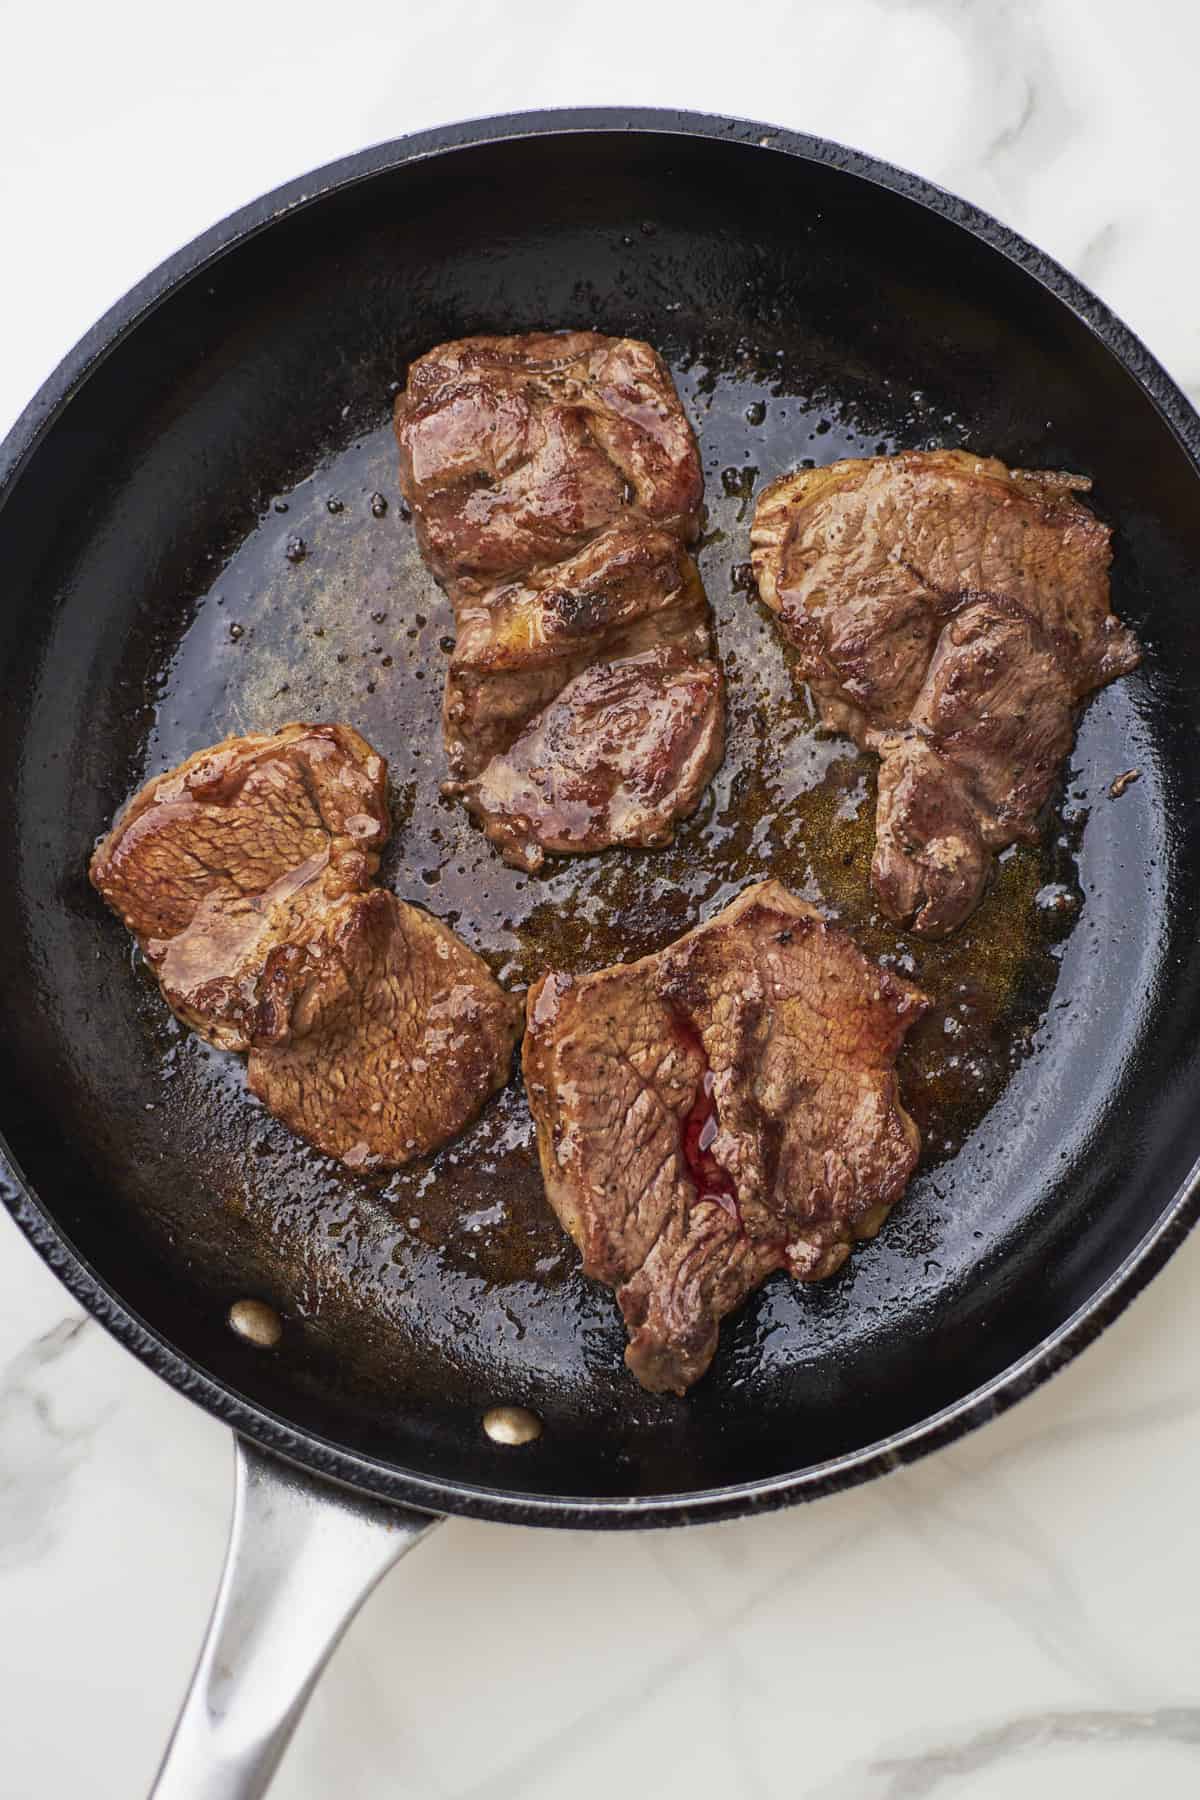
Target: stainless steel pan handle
303	1556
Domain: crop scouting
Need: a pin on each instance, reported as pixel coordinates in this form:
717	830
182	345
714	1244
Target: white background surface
1018	1615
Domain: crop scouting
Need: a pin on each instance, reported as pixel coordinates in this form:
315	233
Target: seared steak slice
554	481
379	1035
722	1109
990	729
622	753
212	863
950	614
514	451
244	875
632	588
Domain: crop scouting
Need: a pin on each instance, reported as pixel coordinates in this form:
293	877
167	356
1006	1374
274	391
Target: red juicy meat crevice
700	1128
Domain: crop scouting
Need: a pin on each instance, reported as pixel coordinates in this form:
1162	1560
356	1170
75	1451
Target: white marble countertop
1015	1616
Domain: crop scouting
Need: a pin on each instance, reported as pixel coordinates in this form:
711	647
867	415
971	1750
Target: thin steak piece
952	615
633	588
217	860
555	483
719	1110
380	1035
244	873
623	752
515	451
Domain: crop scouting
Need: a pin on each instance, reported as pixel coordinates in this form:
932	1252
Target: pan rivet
511	1425
257	1322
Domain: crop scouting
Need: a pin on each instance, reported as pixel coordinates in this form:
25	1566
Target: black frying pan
812	303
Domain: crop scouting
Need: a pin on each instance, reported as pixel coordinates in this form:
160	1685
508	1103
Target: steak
719	1110
244	874
379	1035
952	615
632	588
625	750
555	484
515	451
214	862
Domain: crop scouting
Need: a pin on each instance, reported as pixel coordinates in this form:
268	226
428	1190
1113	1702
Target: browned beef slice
722	1109
990	729
212	863
554	481
950	614
623	752
632	588
380	1034
514	451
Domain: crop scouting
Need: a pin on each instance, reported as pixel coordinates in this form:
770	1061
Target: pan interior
151	608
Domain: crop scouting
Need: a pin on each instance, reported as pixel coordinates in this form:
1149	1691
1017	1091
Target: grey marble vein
976	1526
929	1772
1095	259
1010	133
39	1450
1020	113
588	1732
1064	1432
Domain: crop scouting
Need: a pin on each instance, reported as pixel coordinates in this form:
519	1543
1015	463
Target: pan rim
319	1455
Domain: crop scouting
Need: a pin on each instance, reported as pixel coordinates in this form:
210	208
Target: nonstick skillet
812	302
